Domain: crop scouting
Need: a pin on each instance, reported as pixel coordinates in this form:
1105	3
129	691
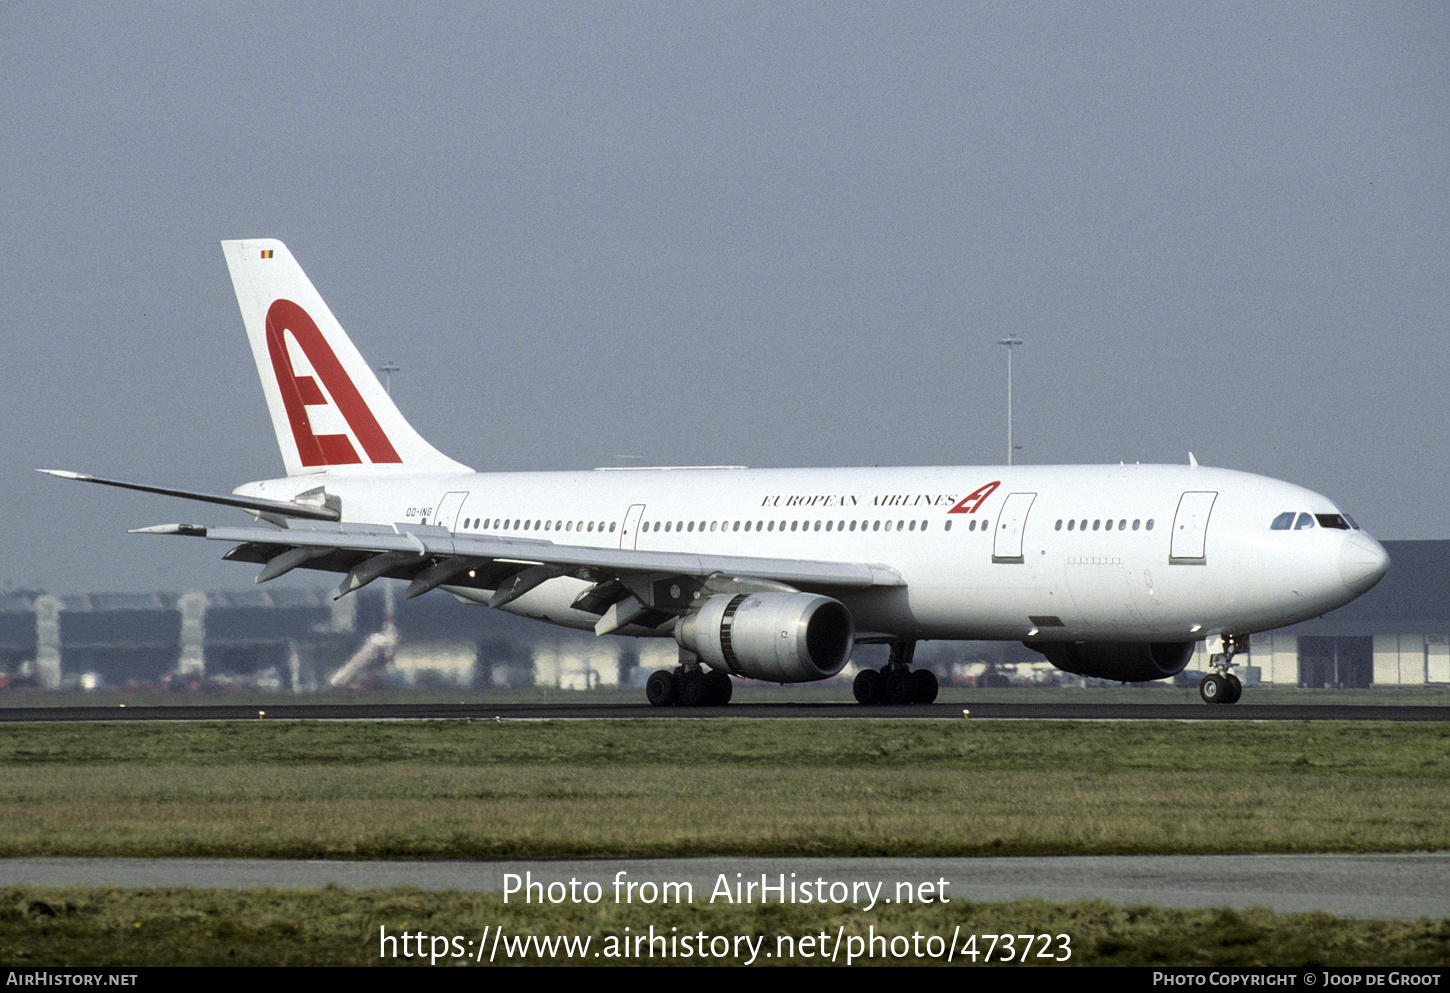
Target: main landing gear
896	682
1221	685
689	684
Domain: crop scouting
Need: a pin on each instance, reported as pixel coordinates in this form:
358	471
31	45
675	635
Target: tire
923	686
719	688
898	688
1213	689
1233	689
868	686
660	689
694	690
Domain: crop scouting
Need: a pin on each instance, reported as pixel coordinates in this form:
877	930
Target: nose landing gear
1221	685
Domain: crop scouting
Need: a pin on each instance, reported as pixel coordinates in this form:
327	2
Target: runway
1363	886
844	711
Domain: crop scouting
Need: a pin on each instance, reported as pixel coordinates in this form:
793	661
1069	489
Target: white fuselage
1050	553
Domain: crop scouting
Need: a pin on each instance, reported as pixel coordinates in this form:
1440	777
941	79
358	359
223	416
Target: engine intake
1125	661
780	637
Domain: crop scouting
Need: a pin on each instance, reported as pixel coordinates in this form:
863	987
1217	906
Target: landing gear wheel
1233	689
868	686
694	691
719	688
923	686
661	688
898	687
1213	689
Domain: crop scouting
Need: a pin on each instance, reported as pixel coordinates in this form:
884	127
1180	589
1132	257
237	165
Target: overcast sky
761	234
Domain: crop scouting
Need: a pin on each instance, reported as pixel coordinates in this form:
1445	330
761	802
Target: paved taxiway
578	711
1364	886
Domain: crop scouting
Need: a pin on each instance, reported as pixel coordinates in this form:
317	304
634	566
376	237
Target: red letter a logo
300	392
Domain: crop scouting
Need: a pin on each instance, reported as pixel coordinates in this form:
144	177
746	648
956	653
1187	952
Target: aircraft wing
627	586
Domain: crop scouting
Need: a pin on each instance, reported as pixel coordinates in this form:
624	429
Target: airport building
298	639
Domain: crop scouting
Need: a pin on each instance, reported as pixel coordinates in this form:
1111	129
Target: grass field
617	788
489	789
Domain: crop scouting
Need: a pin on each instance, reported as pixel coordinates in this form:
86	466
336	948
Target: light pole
388	368
1010	341
390	629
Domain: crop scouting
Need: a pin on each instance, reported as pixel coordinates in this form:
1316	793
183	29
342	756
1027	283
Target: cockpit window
1332	521
1283	522
1304	521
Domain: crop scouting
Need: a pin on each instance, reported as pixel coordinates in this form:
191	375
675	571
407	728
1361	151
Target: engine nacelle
1125	661
780	637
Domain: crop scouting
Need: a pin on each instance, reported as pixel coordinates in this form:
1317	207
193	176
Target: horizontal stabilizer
254	504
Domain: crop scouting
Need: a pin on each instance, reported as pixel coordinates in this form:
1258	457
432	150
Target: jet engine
1125	661
780	637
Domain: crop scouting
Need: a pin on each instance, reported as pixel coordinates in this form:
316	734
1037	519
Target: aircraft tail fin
329	410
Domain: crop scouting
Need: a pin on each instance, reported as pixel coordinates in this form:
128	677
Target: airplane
1115	571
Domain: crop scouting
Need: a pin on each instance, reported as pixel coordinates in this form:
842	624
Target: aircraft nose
1362	562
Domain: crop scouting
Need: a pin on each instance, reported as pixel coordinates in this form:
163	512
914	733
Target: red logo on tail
300	392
